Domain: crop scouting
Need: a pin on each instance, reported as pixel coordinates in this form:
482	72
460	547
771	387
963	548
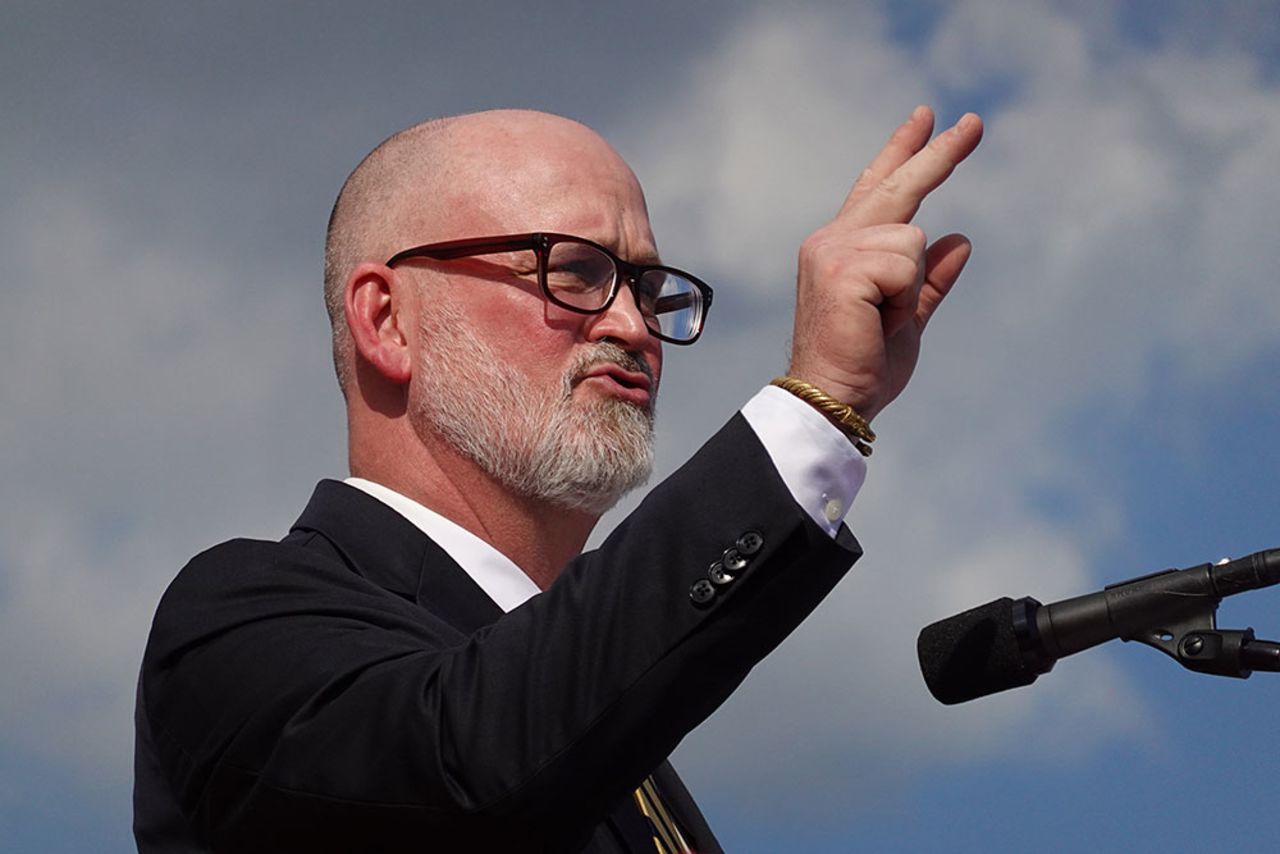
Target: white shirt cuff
817	462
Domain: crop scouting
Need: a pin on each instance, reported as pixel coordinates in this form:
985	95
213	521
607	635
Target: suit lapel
444	588
390	551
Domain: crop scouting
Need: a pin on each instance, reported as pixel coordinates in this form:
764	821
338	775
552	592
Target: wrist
844	416
844	389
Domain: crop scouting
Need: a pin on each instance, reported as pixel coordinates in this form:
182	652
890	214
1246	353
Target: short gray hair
364	218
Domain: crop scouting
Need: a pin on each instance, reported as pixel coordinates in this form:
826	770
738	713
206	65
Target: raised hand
868	281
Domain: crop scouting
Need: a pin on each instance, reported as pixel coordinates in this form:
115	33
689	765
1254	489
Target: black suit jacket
351	689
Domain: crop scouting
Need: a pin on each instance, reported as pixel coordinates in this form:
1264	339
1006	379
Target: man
426	662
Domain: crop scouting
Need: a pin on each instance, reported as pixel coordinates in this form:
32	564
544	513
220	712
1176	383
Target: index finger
907	139
896	197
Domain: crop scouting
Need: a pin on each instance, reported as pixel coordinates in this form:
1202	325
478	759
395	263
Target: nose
621	321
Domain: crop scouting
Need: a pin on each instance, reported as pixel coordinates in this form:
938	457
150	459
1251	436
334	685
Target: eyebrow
650	258
647	259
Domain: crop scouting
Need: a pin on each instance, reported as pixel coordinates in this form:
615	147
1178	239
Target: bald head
478	174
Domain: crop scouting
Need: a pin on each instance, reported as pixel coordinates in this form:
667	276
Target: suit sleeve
293	706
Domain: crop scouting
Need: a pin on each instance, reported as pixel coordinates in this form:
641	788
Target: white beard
538	442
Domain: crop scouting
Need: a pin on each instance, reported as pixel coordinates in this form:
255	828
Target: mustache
606	353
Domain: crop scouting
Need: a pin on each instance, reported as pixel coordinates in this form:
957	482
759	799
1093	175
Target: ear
378	321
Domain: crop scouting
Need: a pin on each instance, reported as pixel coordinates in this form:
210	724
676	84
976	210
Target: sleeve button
834	510
702	592
733	561
750	543
719	574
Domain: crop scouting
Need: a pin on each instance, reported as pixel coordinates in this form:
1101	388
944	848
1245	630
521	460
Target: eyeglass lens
581	276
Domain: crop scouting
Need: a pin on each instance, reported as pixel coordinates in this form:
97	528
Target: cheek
523	324
535	345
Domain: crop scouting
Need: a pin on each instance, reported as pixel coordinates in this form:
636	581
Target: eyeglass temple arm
452	249
673	302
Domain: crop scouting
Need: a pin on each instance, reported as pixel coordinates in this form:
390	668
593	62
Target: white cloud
742	160
1120	217
142	420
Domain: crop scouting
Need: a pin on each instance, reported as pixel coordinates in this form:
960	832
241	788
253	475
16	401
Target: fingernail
967	121
919	111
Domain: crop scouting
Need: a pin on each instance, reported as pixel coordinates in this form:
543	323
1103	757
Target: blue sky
1097	401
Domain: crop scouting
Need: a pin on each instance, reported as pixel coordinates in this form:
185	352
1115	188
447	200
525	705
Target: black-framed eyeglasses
583	276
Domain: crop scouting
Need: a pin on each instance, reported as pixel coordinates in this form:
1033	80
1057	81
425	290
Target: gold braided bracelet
842	415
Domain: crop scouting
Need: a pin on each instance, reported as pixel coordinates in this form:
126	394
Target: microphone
1009	643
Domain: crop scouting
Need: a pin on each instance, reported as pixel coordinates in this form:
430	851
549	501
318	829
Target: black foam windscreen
973	654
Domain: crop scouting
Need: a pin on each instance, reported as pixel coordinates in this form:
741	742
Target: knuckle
896	273
819	253
830	266
812	245
888	187
826	264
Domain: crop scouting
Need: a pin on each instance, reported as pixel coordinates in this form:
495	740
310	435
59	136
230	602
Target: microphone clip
1196	642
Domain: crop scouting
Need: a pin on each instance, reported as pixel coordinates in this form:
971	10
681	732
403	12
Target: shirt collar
495	573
